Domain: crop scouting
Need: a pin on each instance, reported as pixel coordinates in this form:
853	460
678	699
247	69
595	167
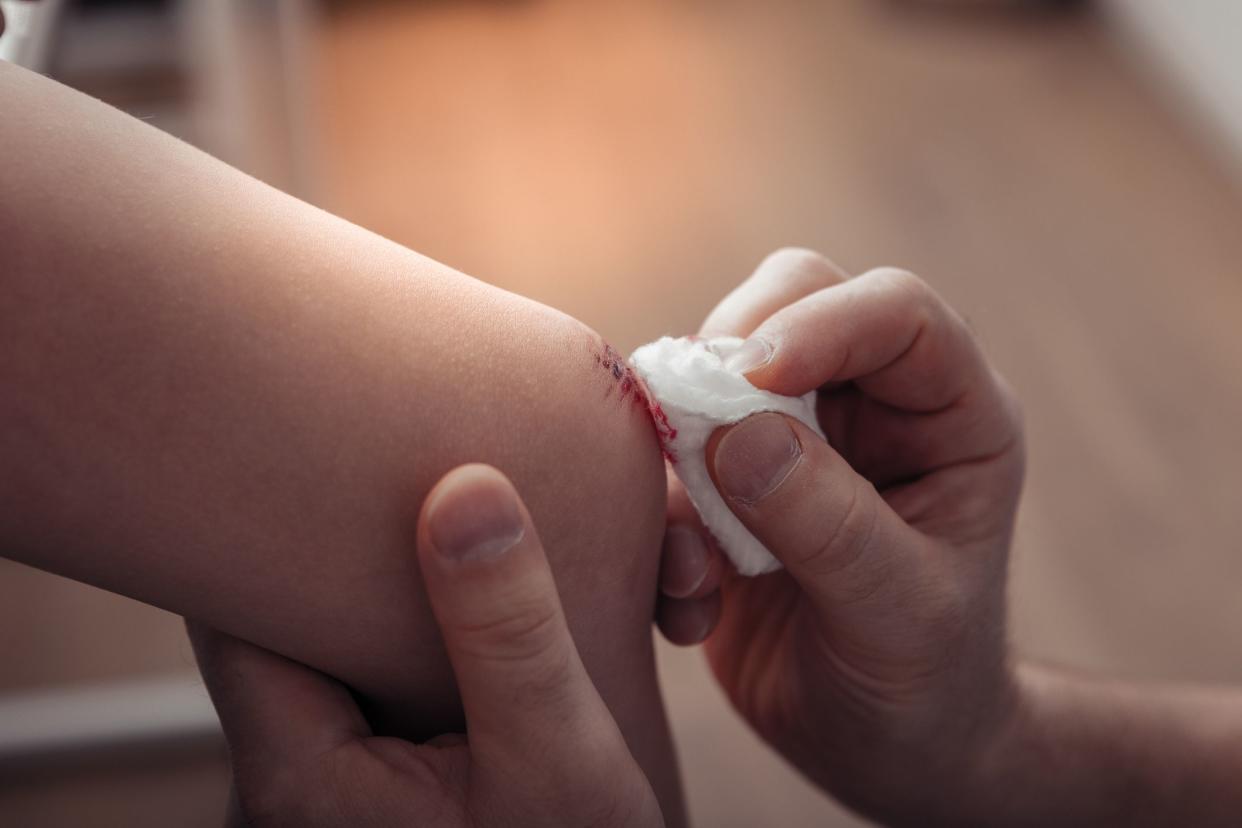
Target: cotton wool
697	394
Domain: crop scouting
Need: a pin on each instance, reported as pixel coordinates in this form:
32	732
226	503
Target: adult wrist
954	772
1001	765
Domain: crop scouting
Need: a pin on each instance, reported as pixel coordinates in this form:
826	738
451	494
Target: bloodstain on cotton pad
630	387
690	394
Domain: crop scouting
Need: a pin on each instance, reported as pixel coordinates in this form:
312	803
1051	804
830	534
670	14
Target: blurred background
1067	174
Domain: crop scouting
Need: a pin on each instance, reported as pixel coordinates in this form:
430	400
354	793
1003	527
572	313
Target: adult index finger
886	331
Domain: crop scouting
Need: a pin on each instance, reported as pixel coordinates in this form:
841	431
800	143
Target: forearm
1081	751
210	390
222	401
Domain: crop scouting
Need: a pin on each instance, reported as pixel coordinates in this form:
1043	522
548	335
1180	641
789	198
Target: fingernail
755	456
707	620
750	355
683	563
482	521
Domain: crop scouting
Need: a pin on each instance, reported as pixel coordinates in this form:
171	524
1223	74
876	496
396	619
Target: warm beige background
629	161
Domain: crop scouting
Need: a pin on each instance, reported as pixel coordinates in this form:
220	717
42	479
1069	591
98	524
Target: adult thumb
852	555
526	694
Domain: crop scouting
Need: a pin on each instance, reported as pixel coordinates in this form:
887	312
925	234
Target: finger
856	560
691	565
783	277
688	621
889	445
886	331
275	712
522	683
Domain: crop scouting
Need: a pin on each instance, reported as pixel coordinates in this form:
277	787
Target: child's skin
222	401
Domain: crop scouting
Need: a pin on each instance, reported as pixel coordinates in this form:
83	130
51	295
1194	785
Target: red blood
631	387
664	429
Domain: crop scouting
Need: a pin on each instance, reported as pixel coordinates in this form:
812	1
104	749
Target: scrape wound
690	393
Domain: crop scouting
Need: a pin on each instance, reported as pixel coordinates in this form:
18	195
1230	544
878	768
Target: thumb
853	556
522	683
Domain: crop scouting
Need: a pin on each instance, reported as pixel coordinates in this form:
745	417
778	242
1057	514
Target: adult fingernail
751	354
683	563
706	622
755	456
482	520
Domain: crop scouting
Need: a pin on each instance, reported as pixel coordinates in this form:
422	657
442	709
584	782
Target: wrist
941	770
964	768
1007	753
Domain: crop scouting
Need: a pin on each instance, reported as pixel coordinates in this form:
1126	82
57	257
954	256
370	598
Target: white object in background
56	721
1194	45
697	394
28	32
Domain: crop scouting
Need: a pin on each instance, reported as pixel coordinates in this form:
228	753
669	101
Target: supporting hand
542	748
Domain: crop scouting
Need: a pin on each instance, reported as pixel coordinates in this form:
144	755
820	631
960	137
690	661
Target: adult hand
542	748
876	661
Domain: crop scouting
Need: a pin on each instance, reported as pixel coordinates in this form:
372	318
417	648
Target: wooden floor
629	161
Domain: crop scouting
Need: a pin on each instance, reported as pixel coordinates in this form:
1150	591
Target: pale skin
227	403
542	748
877	662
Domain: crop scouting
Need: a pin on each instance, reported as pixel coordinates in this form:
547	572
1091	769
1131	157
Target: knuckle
800	266
910	289
792	257
525	633
901	279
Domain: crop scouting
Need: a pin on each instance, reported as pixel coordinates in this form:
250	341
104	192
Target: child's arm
303	755
222	401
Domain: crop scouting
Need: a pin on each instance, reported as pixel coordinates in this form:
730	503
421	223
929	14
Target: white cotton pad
693	394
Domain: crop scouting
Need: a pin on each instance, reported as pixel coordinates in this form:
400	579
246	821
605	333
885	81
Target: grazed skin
219	400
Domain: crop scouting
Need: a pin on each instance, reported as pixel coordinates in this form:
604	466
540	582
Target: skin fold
222	401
